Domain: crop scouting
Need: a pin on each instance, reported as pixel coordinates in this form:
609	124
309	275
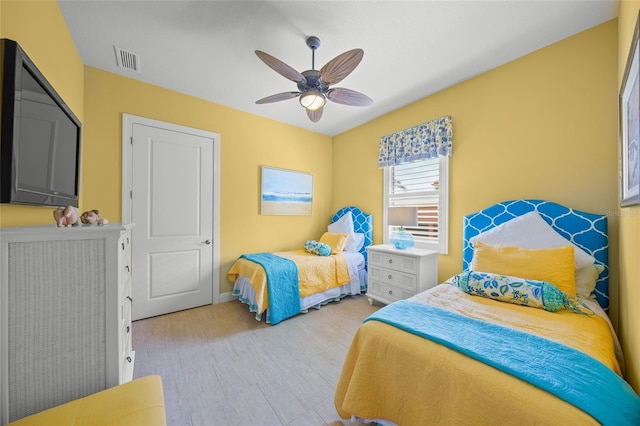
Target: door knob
207	242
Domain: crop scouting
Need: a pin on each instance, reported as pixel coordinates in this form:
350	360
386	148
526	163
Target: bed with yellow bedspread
315	274
503	349
264	282
400	377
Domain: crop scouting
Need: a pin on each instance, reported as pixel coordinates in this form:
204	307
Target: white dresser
65	315
398	274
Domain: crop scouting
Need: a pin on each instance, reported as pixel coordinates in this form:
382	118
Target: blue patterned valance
427	140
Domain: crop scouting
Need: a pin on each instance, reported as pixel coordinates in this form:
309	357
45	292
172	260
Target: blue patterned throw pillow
520	291
315	247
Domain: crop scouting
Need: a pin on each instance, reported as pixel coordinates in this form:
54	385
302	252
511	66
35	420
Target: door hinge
131	140
131	195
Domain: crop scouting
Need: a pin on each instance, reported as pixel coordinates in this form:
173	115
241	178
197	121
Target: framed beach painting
286	192
630	127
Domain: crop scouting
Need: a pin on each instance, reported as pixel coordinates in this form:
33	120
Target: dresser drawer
406	264
393	277
125	308
125	259
125	244
125	273
127	354
126	342
388	293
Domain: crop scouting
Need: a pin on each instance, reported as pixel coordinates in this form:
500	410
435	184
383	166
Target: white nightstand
398	274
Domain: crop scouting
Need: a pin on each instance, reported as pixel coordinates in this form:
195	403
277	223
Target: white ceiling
412	48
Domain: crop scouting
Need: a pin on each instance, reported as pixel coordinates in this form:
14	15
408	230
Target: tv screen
40	137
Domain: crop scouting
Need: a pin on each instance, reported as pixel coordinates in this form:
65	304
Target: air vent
127	60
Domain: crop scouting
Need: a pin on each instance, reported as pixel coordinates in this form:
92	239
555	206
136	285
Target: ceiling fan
313	85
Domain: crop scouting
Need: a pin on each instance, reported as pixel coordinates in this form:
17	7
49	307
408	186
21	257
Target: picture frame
629	109
286	192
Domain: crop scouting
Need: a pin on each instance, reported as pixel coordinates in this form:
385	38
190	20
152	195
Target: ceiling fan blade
281	68
316	115
343	96
278	97
341	66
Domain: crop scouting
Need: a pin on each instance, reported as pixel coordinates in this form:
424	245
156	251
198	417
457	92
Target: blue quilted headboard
362	223
586	230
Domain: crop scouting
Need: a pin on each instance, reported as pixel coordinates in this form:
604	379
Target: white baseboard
226	297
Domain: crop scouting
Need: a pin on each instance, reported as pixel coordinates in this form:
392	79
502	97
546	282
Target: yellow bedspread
315	274
394	375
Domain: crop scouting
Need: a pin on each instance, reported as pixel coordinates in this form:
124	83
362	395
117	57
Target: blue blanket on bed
600	392
282	285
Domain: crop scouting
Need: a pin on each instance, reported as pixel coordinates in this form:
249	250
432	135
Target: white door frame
127	171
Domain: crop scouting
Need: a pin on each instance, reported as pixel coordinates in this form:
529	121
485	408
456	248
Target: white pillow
344	225
357	244
532	232
586	279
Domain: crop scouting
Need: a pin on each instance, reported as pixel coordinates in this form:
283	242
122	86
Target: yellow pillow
553	265
335	240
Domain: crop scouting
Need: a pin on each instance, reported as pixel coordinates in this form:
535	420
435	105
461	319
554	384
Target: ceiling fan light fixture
312	100
314	85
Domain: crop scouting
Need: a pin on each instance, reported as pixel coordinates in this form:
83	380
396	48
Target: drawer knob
389	277
390	261
390	291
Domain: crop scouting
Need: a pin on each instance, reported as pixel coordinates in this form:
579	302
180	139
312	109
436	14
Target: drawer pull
130	299
129	359
123	246
390	277
128	269
390	291
128	328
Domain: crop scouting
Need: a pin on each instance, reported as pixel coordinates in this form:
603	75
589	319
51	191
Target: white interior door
172	193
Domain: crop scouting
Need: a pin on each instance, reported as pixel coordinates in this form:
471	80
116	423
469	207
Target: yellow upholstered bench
136	403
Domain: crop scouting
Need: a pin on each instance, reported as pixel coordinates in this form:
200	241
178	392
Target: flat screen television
39	136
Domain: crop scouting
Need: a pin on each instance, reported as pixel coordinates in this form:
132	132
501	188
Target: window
416	174
423	184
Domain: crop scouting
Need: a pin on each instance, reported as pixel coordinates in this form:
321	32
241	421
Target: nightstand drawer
388	293
393	277
406	264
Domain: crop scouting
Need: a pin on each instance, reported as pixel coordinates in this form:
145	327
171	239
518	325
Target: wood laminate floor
220	366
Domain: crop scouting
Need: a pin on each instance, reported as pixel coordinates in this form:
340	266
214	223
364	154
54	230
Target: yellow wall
543	126
629	315
246	143
40	29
